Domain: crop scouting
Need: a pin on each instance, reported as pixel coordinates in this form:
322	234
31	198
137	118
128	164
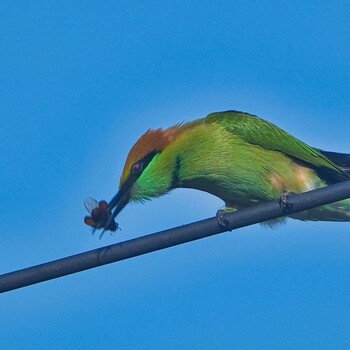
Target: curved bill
119	201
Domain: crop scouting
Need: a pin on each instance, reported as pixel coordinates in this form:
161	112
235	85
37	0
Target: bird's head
146	172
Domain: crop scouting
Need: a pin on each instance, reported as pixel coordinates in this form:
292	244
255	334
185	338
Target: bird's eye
137	169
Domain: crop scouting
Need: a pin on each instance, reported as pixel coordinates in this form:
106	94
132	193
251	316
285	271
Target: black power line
171	237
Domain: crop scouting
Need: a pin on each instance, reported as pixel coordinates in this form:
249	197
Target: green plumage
256	131
243	160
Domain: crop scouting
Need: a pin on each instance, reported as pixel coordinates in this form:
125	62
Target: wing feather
257	131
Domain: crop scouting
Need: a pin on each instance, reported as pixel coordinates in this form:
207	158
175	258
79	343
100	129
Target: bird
236	156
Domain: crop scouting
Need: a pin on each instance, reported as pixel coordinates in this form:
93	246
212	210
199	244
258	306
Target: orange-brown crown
150	141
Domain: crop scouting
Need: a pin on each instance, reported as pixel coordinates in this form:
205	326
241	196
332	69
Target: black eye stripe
138	167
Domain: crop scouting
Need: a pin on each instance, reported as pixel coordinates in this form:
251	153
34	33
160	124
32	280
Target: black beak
119	201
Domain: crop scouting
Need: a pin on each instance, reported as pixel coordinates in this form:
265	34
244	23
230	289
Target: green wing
259	132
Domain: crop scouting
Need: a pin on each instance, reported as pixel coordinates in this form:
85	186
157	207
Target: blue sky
80	82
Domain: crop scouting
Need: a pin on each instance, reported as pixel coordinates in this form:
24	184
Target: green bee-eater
235	156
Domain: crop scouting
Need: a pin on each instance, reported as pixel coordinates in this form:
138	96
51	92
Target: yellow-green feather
259	132
236	157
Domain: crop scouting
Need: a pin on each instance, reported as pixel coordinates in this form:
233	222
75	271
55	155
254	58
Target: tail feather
338	211
340	159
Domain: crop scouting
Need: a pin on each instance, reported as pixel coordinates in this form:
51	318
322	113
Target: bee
100	214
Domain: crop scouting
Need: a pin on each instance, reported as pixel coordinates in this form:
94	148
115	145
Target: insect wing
90	204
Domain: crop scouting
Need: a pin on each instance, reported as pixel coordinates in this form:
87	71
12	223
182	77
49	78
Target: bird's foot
220	217
283	201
